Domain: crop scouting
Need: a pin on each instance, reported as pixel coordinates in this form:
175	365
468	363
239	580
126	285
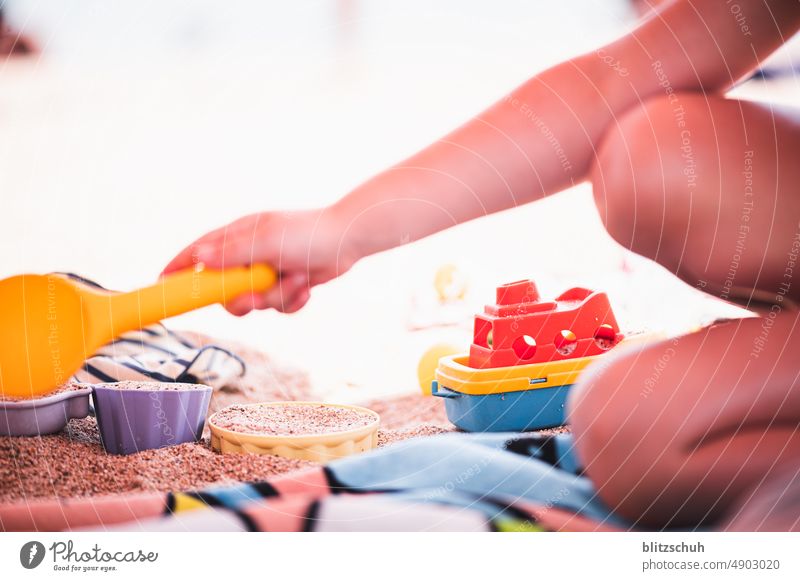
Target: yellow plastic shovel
49	324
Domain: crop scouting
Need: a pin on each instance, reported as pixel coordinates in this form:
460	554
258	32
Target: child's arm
543	137
537	141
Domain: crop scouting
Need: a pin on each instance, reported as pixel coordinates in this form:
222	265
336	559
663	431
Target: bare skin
542	138
674	433
707	187
645	120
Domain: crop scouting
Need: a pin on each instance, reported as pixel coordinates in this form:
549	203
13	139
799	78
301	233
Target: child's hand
306	248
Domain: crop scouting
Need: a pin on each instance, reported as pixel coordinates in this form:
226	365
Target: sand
291	420
64	388
410	411
265	380
151	386
73	463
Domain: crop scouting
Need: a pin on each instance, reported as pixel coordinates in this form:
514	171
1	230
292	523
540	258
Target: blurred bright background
138	126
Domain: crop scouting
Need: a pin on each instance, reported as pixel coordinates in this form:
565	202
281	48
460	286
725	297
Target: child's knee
602	407
643	173
651	426
623	192
624	436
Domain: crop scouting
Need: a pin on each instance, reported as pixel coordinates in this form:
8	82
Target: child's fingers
299	301
233	250
284	295
231	243
241	305
181	261
214	254
287	296
190	255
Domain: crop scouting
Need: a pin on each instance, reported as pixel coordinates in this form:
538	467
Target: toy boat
525	356
522	329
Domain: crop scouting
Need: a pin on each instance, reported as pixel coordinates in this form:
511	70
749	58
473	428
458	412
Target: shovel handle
185	291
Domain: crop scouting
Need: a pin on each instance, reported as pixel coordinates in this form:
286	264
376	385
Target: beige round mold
320	448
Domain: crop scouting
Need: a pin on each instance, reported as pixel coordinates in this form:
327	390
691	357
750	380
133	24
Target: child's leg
708	187
770	506
673	433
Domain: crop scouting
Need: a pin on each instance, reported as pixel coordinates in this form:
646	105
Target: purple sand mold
46	415
134	420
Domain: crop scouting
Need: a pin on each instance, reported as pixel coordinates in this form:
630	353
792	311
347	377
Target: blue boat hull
516	411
